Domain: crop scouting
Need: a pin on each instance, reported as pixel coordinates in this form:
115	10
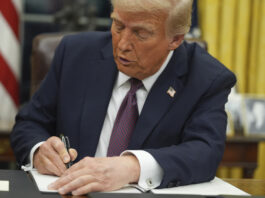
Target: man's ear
176	42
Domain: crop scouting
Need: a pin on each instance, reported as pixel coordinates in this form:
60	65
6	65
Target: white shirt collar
149	81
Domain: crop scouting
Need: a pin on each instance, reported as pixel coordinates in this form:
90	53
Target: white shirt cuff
29	166
151	173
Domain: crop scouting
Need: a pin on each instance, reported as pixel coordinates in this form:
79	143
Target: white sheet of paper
4	185
215	187
42	182
126	189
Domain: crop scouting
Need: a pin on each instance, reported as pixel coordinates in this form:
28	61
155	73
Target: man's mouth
124	61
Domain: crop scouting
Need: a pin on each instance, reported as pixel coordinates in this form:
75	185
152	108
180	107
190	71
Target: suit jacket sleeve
197	156
36	121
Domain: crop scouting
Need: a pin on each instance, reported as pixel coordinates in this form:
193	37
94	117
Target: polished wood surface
251	186
242	152
21	186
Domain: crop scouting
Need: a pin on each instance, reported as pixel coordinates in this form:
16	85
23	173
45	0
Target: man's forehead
136	19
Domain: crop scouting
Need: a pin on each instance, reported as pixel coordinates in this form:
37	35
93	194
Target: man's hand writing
98	174
51	156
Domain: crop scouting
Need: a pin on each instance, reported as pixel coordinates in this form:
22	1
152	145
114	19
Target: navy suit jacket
185	134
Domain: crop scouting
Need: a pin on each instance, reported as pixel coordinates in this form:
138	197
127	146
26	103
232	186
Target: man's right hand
51	156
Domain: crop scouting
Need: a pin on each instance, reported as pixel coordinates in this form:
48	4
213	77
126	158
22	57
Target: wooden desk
251	186
21	186
242	152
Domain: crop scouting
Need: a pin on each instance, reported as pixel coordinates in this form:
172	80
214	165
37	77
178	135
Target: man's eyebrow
143	26
116	19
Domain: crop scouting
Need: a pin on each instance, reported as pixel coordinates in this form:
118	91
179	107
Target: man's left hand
98	174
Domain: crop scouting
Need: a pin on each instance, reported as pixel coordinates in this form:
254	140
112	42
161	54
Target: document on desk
4	185
42	182
213	188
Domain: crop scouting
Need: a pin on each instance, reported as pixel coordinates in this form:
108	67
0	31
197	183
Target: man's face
140	44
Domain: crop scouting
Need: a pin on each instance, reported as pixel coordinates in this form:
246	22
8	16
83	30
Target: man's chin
127	70
124	69
131	72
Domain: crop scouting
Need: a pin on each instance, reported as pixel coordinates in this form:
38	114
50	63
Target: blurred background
233	31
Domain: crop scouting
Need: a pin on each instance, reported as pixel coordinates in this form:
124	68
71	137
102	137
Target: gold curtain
235	33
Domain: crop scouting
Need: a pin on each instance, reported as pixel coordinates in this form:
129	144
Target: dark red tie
125	121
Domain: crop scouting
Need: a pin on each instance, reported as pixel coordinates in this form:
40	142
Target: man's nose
125	43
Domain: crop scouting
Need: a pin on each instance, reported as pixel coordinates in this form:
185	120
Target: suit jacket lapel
100	82
158	101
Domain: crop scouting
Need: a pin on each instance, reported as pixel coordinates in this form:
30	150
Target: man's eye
142	35
119	27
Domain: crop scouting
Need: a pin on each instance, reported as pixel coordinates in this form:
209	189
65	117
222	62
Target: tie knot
135	85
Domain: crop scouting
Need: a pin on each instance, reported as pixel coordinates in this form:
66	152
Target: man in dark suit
178	89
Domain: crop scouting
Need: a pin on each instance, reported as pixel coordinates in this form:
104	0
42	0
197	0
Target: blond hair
179	12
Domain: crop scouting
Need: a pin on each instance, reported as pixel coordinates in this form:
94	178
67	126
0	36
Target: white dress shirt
151	173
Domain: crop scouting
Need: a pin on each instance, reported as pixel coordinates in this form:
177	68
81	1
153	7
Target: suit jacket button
173	184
